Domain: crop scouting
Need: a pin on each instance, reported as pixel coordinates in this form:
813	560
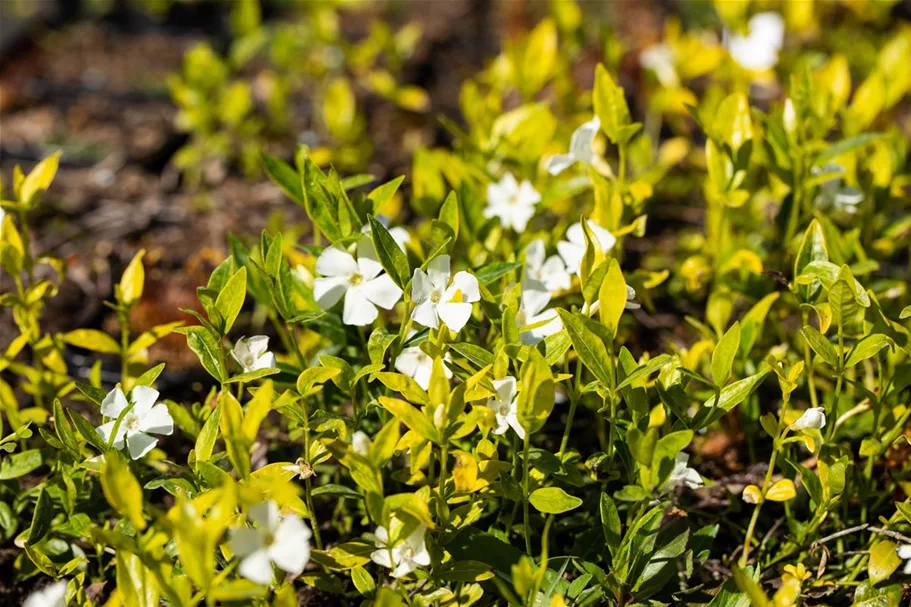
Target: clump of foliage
471	409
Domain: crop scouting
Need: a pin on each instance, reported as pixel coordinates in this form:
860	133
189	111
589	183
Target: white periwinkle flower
532	314
52	595
512	202
252	353
144	418
758	50
580	149
418	365
904	553
813	418
543	273
572	250
682	474
360	443
361	281
439	299
659	58
284	541
503	405
402	555
833	194
399	234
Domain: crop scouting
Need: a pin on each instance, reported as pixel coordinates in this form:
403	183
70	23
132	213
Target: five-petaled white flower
360	443
503	404
512	202
52	595
252	353
143	418
659	58
572	250
904	552
284	541
682	474
580	149
361	281
544	273
399	234
813	418
439	299
402	555
758	50
418	365
532	314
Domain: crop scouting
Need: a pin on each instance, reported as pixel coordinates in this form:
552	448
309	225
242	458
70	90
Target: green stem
573	403
526	521
308	497
832	414
744	557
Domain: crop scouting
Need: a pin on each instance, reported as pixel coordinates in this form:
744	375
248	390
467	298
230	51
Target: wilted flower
284	541
544	274
904	553
252	353
361	281
402	555
301	468
682	474
52	595
418	365
572	250
512	202
143	418
438	300
580	149
360	443
813	418
659	58
758	50
503	405
630	296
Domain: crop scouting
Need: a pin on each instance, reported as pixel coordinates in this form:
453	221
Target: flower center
436	295
267	538
408	554
355	279
131	422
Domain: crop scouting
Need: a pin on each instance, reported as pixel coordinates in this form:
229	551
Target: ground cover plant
490	381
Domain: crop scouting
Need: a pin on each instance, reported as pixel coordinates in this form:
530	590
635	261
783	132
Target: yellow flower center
355	279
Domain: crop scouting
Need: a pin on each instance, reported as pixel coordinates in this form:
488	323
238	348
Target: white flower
253	353
758	50
512	202
833	194
580	149
402	555
301	468
572	250
659	58
812	418
438	299
904	553
418	365
361	281
399	234
682	474
284	541
52	595
360	443
145	417
532	312
503	405
542	274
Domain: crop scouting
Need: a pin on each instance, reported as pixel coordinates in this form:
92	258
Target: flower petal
245	541
420	286
144	398
114	403
454	314
265	515
140	443
506	388
425	314
410	360
571	254
328	291
336	262
104	430
157	421
467	284
534	255
438	272
558	163
382	291
358	310
257	567
367	261
291	548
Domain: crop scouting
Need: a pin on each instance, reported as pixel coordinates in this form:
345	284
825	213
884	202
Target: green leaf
411	417
476	354
389	254
87	431
883	561
495	270
610	104
610	523
20	464
812	248
588	346
284	176
736	393
363	582
63	428
205	441
536	399
132	281
121	488
39	178
844	146
612	296
93	340
867	347
231	299
820	345
724	354
41	519
645	370
207	349
382	194
553	500
405	386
